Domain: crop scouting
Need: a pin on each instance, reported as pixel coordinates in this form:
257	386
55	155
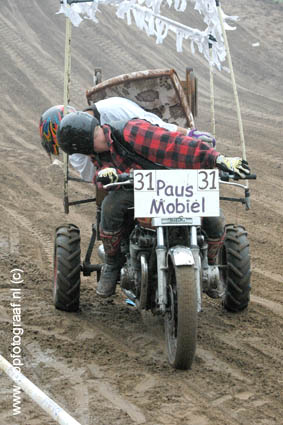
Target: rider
137	144
106	111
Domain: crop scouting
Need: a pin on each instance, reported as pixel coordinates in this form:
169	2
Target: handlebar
124	177
223	175
226	176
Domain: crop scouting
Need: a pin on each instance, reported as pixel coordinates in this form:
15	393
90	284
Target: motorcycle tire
67	268
236	274
181	316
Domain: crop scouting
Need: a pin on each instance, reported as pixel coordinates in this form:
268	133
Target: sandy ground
107	363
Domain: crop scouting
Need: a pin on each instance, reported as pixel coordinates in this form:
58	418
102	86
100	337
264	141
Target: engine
140	247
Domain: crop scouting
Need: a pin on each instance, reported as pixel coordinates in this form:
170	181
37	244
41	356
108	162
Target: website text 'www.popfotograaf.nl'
17	332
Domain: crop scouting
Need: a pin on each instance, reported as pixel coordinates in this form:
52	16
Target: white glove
202	135
234	165
107	176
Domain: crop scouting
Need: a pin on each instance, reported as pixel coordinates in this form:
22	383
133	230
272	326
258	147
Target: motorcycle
166	266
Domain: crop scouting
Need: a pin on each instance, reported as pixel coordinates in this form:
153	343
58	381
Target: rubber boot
108	279
110	271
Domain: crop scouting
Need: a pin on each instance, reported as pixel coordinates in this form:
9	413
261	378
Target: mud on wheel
236	273
181	316
67	268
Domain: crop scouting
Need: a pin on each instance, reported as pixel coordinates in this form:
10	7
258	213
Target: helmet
75	134
48	125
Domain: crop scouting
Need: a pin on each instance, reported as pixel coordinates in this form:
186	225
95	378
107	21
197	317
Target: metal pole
67	81
233	80
50	407
212	110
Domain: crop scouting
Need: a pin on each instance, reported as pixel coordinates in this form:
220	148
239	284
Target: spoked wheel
181	317
236	273
67	268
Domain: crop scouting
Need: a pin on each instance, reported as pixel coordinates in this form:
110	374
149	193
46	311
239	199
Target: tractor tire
235	274
67	268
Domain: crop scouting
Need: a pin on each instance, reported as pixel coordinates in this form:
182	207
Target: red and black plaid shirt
171	149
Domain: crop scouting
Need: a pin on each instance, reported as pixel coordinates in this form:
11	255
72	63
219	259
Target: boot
108	280
110	271
214	246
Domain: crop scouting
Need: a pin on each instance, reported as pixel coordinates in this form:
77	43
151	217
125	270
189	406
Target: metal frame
188	102
67	81
76	1
185	93
185	90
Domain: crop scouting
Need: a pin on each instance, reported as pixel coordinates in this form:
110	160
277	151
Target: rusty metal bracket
190	87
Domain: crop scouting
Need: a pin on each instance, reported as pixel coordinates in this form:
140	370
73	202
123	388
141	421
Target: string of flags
147	16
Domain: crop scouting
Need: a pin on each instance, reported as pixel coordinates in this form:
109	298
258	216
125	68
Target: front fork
161	255
161	252
195	251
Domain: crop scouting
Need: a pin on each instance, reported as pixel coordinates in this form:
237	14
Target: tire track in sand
44	240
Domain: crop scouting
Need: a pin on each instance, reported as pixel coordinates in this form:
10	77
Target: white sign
176	193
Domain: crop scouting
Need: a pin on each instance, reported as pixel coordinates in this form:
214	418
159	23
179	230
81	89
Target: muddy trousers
116	212
214	227
115	223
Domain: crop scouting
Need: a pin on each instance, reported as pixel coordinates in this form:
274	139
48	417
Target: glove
107	176
201	135
233	165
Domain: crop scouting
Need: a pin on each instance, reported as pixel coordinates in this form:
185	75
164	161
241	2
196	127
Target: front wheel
67	268
181	316
235	273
